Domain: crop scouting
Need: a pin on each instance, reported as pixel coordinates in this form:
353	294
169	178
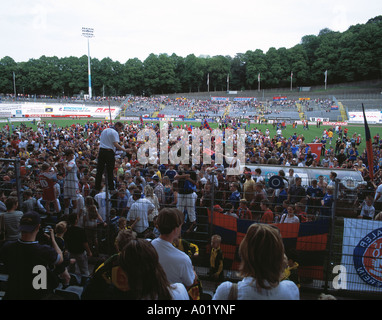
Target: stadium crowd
58	175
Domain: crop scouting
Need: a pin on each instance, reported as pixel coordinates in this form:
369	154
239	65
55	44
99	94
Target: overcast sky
125	29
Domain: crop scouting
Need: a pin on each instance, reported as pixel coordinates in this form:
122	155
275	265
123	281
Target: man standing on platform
109	142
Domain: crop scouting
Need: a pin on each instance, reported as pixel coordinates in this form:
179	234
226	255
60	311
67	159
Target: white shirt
71	173
379	190
286	219
176	264
140	208
259	179
101	200
286	290
367	211
179	292
23	144
108	137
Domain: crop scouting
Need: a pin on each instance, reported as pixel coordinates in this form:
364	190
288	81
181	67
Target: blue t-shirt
326	210
294	150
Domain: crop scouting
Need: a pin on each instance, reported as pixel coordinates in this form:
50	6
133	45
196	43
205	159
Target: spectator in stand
191	249
291	178
107	282
186	194
314	195
159	190
300	212
109	142
48	179
102	204
77	245
170	172
332	181
61	270
296	191
21	257
367	208
71	186
234	197
258	177
260	194
176	264
289	217
29	203
322	184
11	219
267	216
216	272
262	265
121	205
326	202
150	195
139	214
243	212
249	187
145	276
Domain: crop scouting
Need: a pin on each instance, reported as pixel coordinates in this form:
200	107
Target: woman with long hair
145	276
263	262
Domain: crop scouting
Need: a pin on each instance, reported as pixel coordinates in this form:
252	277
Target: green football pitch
309	135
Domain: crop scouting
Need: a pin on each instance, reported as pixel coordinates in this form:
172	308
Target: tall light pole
88	33
14	85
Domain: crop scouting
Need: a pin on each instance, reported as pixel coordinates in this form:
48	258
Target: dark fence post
212	179
107	204
18	181
331	234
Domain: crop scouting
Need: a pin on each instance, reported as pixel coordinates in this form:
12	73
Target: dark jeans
105	159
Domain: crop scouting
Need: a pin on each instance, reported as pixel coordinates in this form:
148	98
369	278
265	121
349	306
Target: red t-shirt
47	181
267	216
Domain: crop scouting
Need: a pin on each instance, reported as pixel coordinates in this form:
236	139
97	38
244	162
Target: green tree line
352	55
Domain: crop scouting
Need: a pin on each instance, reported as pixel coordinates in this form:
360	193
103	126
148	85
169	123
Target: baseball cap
29	221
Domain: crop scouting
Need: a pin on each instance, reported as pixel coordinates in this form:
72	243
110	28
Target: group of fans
58	168
59	164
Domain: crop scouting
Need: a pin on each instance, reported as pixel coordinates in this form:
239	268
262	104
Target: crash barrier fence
334	241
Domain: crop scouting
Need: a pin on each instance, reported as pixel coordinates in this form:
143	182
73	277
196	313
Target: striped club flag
206	125
369	146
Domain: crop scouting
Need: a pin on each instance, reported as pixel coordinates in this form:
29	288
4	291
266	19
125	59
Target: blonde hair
123	237
262	255
61	227
122	222
149	191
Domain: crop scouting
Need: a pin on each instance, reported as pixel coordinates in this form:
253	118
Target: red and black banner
308	240
369	146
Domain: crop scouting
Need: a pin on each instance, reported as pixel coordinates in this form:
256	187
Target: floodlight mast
88	33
